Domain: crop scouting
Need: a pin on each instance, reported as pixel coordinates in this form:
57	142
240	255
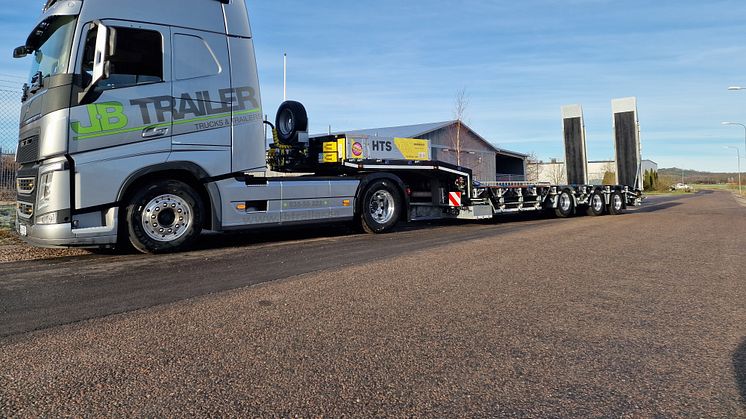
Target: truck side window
138	58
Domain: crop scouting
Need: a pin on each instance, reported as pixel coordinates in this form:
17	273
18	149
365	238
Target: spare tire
291	119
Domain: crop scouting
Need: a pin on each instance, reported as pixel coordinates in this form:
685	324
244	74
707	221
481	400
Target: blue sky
372	64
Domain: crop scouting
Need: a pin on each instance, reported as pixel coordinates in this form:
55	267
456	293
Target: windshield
53	46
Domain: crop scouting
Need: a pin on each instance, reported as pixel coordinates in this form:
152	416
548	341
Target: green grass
7	222
7	216
710	187
721	187
670	192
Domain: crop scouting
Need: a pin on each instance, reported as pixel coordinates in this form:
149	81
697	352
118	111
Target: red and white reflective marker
455	199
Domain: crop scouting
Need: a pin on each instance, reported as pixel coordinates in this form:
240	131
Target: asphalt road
642	315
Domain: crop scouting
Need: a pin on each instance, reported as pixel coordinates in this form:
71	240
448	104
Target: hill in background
696	177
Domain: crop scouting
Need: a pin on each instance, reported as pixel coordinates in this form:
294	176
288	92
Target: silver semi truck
142	123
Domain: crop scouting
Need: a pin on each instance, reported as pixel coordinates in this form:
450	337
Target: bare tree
557	174
459	111
532	168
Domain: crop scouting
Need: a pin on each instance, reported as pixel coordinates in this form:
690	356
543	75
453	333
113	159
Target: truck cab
124	93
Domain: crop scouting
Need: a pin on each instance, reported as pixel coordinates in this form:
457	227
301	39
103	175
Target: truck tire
616	204
596	205
291	119
164	217
381	207
565	205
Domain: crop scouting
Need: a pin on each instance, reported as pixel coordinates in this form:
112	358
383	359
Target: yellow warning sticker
413	149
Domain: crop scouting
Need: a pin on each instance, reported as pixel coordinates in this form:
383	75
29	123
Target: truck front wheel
164	216
381	207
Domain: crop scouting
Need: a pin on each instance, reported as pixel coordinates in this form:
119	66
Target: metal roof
419	130
405	131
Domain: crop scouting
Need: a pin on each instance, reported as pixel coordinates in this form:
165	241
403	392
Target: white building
554	172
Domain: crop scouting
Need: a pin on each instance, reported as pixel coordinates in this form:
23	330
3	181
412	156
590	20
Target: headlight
45	189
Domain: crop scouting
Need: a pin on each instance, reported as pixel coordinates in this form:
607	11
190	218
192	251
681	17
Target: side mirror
105	43
103	50
100	53
21	52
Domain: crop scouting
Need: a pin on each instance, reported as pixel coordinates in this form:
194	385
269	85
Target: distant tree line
650	180
694	177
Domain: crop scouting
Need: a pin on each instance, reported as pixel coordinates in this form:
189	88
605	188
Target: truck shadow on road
739	367
657	207
211	240
277	235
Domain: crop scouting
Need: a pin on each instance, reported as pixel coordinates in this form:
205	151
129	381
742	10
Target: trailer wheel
164	217
596	205
381	207
565	205
616	206
291	119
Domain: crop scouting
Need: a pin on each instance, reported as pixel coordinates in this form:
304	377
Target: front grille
28	150
26	185
25	210
25	207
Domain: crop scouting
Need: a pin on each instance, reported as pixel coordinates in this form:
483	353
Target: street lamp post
735	88
738	151
744	131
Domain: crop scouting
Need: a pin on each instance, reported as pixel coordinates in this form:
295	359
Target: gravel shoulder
741	199
13	249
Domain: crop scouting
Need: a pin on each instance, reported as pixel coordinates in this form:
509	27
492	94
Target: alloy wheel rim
598	203
166	218
382	207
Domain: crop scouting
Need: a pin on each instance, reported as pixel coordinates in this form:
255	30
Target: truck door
132	104
203	98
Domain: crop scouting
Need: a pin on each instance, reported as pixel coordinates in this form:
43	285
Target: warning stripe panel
454	198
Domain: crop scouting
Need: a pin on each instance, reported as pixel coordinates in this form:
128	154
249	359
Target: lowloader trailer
142	124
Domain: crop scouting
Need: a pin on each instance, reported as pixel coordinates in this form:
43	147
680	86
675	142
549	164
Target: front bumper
38	198
64	235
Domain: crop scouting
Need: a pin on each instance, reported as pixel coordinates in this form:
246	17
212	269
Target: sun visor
51	11
62	8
